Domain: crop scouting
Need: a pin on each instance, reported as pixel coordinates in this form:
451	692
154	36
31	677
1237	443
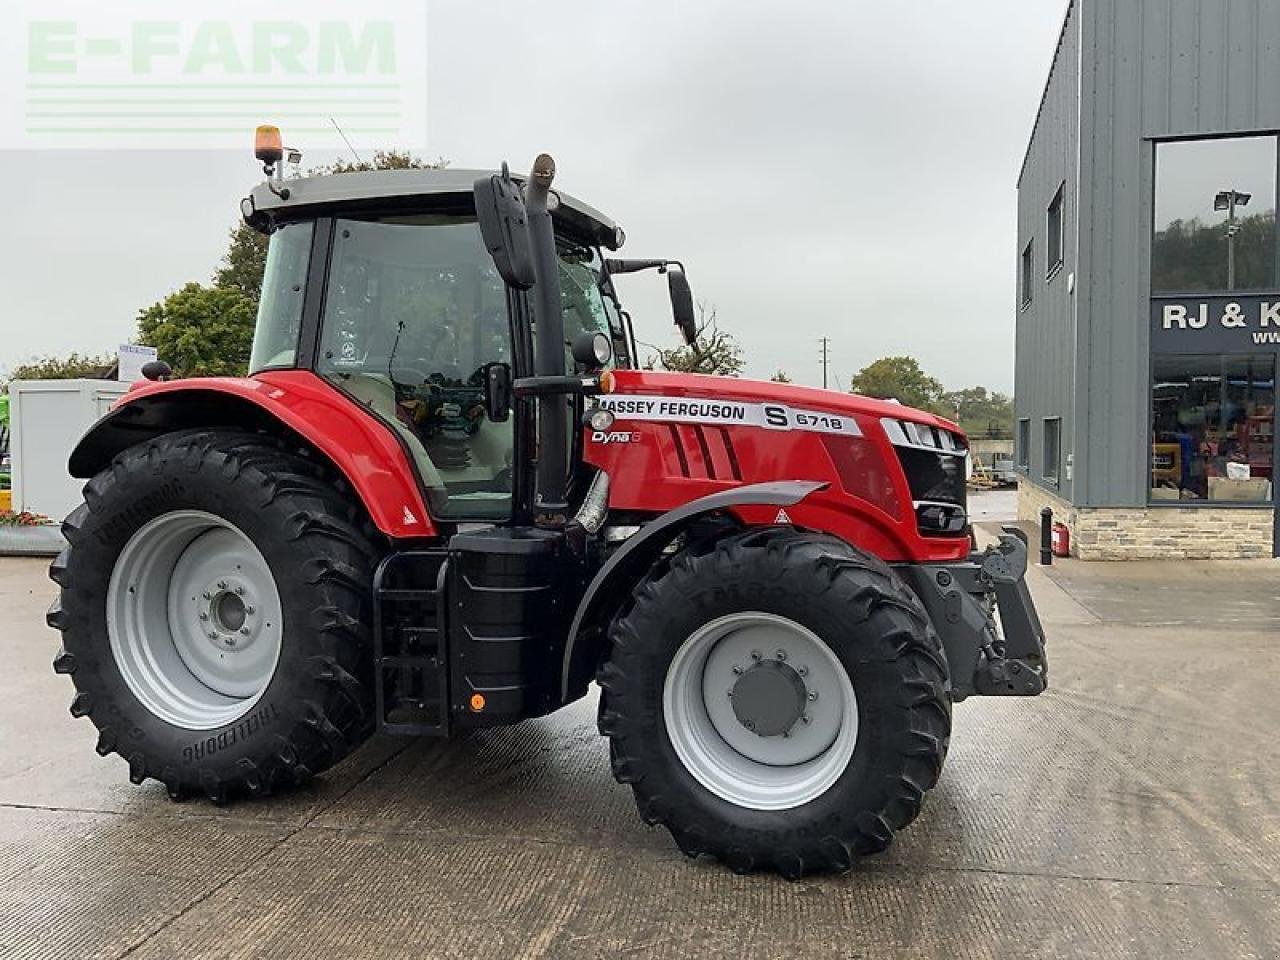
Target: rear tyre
215	608
778	702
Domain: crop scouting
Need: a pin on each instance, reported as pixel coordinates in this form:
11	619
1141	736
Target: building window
1212	421
1052	448
1024	444
1028	272
1053	247
1215	215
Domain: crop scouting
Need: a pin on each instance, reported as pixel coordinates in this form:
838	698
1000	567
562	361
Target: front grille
933	460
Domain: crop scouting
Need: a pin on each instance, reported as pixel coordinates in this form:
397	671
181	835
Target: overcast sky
839	168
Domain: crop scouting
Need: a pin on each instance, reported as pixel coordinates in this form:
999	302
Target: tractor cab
382	284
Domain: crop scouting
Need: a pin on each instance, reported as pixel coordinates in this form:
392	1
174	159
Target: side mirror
497	392
682	304
501	214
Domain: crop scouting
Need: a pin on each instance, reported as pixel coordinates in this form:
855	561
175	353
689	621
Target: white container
47	419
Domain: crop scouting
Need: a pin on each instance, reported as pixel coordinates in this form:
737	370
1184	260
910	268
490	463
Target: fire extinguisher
1061	540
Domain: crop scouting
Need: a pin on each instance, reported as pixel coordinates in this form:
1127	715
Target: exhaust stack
550	508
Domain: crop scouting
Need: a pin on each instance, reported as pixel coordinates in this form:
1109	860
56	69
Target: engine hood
701	386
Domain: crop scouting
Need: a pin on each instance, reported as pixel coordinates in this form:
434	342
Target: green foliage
781	377
24	519
201	331
901	379
73	366
245	262
1192	255
382	160
713	350
980	413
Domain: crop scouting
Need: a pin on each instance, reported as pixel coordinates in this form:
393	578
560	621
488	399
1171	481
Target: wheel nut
781	654
245	631
737	669
213	634
755	654
204	616
222	584
249	610
804	718
813	694
730	693
803	671
239	591
207	595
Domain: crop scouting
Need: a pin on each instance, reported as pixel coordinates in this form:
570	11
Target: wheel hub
228	614
760	710
194	619
769	698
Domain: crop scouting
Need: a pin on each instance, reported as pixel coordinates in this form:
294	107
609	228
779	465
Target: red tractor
446	498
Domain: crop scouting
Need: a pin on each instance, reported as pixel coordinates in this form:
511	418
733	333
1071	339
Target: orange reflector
268	145
477	702
608	383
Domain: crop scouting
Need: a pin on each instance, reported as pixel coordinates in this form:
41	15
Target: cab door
414	316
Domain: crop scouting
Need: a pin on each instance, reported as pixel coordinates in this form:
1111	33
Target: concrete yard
1131	811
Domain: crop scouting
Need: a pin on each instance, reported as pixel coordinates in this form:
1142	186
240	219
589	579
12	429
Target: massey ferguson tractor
446	498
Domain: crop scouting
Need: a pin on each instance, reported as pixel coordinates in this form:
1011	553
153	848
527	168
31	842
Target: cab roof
312	196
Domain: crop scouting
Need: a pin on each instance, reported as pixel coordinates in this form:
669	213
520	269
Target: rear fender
294	404
630	562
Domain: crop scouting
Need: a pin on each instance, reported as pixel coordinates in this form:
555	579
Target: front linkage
963	599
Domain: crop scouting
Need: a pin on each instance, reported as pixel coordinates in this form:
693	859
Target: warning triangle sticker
782	517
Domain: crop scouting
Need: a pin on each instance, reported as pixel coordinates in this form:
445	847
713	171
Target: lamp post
1228	200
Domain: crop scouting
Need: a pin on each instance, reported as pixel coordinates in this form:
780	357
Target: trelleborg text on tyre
215	610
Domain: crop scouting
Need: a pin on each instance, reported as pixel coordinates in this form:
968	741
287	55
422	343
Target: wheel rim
760	711
194	619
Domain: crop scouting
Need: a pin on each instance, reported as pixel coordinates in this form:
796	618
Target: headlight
599	419
592	350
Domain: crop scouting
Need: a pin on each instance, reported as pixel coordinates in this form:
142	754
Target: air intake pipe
549	504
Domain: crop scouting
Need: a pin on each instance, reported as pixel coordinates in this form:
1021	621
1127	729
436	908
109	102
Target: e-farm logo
142	74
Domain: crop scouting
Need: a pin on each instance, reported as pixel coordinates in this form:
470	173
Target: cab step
410	652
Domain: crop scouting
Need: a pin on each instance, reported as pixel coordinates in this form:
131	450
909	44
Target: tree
901	379
713	350
246	258
1192	254
781	377
245	262
201	331
73	366
980	413
382	160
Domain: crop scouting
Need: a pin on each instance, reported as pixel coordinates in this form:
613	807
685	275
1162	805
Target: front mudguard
984	613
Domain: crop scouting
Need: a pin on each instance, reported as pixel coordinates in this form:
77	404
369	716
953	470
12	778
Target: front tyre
778	702
215	610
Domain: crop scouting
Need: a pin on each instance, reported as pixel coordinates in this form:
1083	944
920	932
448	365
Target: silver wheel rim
194	619
760	768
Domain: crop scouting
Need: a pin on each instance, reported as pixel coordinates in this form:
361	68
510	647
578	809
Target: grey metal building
1148	304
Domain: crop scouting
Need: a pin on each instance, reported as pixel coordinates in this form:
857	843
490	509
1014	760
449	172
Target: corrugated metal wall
1152	69
1044	365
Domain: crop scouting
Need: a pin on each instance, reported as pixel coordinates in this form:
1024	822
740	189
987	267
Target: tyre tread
897	630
